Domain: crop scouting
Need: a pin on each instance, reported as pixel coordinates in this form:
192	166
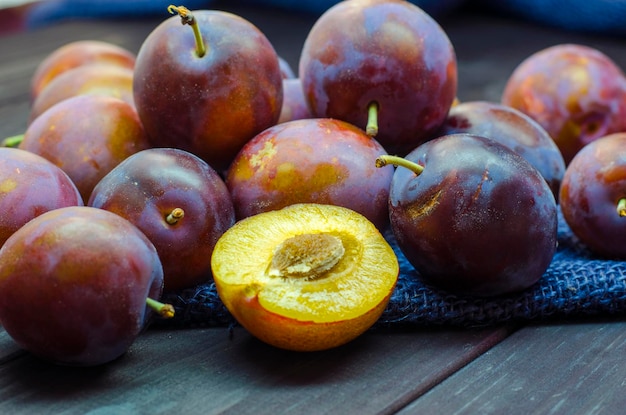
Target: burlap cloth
577	284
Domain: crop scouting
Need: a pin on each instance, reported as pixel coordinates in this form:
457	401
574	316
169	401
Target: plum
593	196
512	128
75	54
29	186
307	277
178	201
75	283
314	160
472	216
208	90
86	136
576	92
106	80
386	58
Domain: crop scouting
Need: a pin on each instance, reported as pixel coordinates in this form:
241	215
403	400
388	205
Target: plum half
307	277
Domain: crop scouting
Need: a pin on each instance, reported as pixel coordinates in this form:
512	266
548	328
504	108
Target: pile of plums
206	125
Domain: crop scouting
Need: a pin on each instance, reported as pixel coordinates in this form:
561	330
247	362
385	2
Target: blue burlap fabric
577	284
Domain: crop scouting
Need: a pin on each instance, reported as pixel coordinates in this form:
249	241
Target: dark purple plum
383	54
593	196
180	203
75	283
472	216
29	186
512	128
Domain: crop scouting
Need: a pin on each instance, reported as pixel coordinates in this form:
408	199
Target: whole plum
75	283
178	201
512	128
472	216
593	195
322	161
29	186
575	92
208	90
383	56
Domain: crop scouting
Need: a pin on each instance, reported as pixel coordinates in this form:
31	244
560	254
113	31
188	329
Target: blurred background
589	16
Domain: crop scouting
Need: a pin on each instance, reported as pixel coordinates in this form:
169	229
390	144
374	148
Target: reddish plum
575	92
29	186
311	160
593	195
106	80
86	136
75	54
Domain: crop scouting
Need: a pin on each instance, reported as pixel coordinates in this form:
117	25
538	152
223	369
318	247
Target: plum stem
174	216
14	141
621	207
162	309
384	160
371	128
187	18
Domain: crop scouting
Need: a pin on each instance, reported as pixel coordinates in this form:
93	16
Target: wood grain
543	369
215	371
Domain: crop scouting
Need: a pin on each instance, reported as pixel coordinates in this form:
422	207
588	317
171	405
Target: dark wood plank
567	369
209	371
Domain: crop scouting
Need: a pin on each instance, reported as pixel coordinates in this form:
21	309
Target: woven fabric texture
576	284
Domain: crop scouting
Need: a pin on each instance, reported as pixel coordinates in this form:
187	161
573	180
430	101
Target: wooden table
568	367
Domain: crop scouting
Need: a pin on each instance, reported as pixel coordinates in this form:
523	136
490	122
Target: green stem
621	207
164	310
187	18
12	141
384	160
371	128
174	216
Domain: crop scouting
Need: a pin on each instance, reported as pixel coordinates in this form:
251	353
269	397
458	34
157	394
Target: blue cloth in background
50	11
598	16
591	16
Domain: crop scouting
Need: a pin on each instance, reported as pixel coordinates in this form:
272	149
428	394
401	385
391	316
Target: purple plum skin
594	182
389	52
512	128
479	219
74	283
